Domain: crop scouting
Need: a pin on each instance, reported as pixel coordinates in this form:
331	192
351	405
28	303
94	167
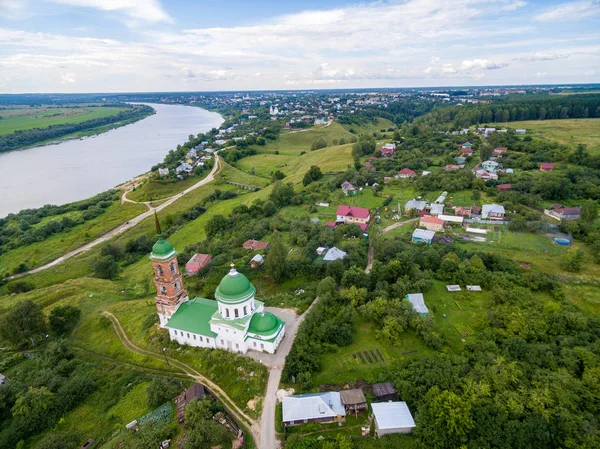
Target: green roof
264	323
162	250
194	316
234	288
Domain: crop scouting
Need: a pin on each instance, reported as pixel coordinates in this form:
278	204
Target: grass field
229	173
567	131
153	190
43	116
369	128
294	142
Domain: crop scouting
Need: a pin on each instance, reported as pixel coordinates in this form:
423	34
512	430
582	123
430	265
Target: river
78	169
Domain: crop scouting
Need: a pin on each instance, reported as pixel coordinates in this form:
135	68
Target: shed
453	288
353	400
384	392
334	254
132	425
418	303
256	245
474	288
195	391
392	417
257	261
197	262
3	379
321	250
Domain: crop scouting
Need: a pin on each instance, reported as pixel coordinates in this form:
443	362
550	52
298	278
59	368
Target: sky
209	45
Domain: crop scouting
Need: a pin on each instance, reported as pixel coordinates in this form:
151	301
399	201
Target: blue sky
183	45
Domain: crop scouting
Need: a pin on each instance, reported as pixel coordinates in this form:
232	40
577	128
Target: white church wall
191	339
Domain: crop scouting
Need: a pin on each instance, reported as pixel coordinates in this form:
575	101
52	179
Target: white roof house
422	235
321	250
451	218
312	407
392	417
436	209
163	171
258	259
492	209
418	302
414	204
334	254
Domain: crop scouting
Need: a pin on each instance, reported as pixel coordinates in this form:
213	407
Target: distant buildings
348	188
255	245
546	166
163	172
561	213
334	254
415	205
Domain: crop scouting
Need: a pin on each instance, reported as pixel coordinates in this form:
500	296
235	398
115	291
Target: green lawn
266	163
229	173
369	128
41	117
153	189
567	131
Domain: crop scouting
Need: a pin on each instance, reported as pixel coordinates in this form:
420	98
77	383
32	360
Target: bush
19	287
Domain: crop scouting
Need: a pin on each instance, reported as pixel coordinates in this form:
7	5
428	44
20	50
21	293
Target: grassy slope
32	118
382	123
153	190
568	131
294	142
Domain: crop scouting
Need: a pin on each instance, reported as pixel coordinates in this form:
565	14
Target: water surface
78	169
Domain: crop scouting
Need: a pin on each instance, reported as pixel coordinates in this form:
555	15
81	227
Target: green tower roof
264	323
234	288
162	250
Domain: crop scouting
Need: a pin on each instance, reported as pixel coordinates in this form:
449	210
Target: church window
262	346
176	286
159	271
175	332
227	313
163	290
194	336
201	339
173	267
222	341
255	344
188	334
237	346
235	311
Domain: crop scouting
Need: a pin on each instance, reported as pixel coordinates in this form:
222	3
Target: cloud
542	74
513	5
547	56
571	11
148	11
67	78
482	64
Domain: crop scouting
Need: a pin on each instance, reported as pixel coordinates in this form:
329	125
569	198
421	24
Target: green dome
234	287
162	250
263	323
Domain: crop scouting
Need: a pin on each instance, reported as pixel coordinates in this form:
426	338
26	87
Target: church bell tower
170	292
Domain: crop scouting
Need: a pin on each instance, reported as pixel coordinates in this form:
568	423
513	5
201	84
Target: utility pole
165	356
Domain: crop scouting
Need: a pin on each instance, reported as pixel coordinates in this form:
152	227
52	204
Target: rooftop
384	389
351	211
312	406
392	415
234	287
418	302
194	316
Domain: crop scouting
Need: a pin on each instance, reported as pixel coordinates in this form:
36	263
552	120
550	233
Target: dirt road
124	227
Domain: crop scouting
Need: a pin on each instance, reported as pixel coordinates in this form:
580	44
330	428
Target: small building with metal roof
392	417
313	407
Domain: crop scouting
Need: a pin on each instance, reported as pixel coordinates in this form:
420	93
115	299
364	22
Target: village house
499	151
191	154
348	188
452	167
255	245
561	213
406	173
466	150
461	211
256	261
492	212
392	417
354	400
415	205
422	236
388	150
384	392
196	263
185	167
353	215
436	209
546	166
334	254
490	166
504	187
486	175
313	407
431	223
196	391
418	303
163	172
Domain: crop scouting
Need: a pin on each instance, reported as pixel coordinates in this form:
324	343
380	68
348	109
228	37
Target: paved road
124	227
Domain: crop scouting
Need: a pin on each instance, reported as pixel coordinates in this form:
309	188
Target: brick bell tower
170	293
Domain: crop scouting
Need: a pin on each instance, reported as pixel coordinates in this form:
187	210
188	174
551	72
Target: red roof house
406	173
431	223
504	187
353	215
387	152
197	262
546	166
499	151
466	150
255	245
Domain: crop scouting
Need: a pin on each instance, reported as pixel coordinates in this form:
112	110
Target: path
227	402
268	438
124	227
371	253
398	224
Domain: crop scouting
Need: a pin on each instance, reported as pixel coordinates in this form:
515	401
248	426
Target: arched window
176	286
173	268
245	312
163	290
226	313
159	271
235	311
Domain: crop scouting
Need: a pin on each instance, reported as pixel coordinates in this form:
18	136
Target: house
415	205
561	213
499	152
486	175
460	159
255	245
191	154
348	188
388	150
163	172
490	166
313	407
392	417
475	210
436	209
509	171
466	150
431	223
452	167
384	392
353	215
354	400
334	254
3	379
425	173
504	187
256	261
185	167
197	262
467	145
422	236
418	303
520	131
451	219
461	211
546	166
406	173
196	391
321	250
492	212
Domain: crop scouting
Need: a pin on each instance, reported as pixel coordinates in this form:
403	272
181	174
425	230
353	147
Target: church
236	321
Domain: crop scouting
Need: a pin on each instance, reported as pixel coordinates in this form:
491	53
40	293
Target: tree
23	324
282	194
106	267
160	391
277	175
313	174
276	261
63	319
589	211
355	296
206	435
573	260
216	225
34	402
318	144
198	411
